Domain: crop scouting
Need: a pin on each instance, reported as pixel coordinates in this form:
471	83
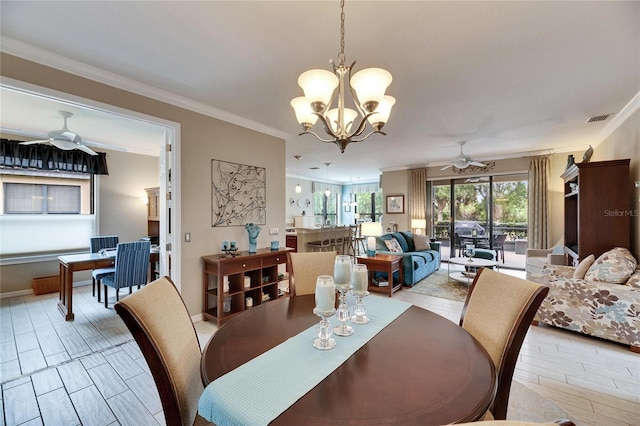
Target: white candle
360	278
371	243
342	272
325	294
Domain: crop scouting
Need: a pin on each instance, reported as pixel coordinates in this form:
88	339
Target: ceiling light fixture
367	88
298	187
327	191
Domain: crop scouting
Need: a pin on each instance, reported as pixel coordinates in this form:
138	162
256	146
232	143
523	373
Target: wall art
238	194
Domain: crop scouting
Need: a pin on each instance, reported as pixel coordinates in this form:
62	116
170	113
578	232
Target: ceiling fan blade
64	144
74	137
34	142
86	149
446	167
475	163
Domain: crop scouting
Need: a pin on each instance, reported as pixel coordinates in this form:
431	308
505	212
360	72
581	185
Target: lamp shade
418	225
370	85
383	111
318	86
371	229
349	116
304	113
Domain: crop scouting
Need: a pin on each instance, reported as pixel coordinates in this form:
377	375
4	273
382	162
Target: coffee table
465	277
388	263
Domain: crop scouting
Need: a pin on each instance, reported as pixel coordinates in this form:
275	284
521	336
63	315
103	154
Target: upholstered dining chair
304	269
132	263
159	321
498	311
563	422
95	245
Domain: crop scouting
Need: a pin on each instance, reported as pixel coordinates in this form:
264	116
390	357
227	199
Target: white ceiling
509	77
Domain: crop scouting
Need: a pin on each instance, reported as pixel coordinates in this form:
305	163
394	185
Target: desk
83	262
420	369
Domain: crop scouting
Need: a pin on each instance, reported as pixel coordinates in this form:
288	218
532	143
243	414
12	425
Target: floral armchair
600	299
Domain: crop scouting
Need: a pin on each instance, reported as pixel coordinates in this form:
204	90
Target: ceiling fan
463	161
64	138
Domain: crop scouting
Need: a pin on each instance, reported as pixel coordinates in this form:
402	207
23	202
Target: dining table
418	369
85	262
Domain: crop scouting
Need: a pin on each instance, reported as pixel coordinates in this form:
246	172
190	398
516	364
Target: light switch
187	237
274	231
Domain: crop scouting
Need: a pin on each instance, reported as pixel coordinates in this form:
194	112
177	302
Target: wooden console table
253	275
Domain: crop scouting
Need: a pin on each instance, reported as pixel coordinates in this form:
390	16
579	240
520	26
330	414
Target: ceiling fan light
318	86
383	112
461	164
370	85
349	116
304	113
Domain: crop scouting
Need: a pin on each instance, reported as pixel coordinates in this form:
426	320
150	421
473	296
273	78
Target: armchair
536	259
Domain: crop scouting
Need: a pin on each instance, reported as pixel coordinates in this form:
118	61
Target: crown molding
43	57
621	117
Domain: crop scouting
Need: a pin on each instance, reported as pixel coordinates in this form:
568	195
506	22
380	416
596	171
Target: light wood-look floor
91	372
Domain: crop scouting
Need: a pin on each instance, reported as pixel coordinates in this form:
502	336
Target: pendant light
327	191
298	187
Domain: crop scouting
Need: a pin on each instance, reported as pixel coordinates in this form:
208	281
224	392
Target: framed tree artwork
395	203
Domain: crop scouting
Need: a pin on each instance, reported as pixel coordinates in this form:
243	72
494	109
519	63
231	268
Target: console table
234	279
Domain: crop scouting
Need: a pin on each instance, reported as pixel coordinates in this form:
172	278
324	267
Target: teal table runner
260	390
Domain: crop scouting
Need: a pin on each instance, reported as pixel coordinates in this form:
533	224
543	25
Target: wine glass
342	278
470	251
325	307
360	283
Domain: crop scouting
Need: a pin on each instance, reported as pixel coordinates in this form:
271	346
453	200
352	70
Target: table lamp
371	230
419	225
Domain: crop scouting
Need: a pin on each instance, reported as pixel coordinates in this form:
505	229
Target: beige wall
202	138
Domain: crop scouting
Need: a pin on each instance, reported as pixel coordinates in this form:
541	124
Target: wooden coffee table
388	263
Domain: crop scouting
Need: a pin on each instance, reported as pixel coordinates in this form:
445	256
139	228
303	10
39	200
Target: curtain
47	157
418	193
539	233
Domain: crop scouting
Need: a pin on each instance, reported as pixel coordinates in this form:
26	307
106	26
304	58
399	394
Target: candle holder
325	302
342	277
470	251
359	310
229	252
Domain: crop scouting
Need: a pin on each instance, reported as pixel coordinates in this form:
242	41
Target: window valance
321	187
47	157
365	188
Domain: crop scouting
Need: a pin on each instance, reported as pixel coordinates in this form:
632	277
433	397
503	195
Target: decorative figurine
570	161
587	154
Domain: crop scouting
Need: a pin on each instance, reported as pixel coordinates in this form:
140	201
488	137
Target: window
44	212
326	207
26	198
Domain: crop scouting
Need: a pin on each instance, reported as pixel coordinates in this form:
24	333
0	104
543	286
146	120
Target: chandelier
367	88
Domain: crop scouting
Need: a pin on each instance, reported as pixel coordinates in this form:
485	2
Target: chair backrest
160	323
106	242
304	269
498	311
499	240
132	264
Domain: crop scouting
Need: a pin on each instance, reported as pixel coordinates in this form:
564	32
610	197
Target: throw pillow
614	266
583	266
634	280
421	242
393	245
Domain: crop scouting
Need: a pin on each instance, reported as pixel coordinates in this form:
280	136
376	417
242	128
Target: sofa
417	263
600	297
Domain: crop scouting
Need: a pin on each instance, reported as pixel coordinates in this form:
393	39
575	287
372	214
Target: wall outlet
274	231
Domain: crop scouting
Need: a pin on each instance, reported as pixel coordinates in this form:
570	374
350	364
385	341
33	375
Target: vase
253	231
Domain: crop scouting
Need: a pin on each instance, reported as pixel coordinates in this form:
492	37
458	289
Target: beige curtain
539	234
417	194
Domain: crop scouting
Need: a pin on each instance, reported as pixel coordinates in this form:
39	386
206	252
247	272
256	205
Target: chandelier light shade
343	125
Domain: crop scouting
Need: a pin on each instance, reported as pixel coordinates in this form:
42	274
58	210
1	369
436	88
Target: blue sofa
416	265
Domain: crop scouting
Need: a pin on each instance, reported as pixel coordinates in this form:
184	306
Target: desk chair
498	311
304	269
95	245
160	323
132	263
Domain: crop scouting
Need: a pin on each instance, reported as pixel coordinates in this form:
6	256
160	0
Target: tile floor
91	372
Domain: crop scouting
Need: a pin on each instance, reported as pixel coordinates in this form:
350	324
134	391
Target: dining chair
159	321
498	311
350	240
304	269
132	263
562	422
95	245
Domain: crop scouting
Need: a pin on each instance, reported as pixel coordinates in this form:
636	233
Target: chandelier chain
341	54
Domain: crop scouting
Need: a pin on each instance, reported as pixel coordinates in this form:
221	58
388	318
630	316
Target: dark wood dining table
421	369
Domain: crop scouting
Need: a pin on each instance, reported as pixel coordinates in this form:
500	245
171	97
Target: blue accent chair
95	245
132	263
